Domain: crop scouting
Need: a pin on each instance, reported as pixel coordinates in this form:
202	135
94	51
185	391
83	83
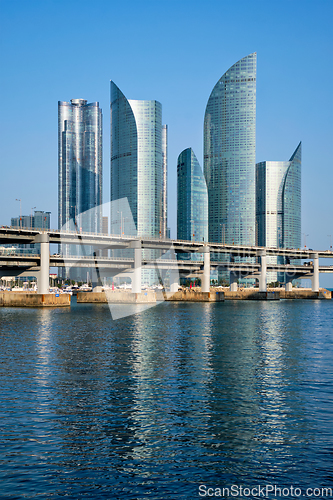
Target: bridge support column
205	281
233	277
136	275
263	271
174	275
315	277
43	278
233	282
289	286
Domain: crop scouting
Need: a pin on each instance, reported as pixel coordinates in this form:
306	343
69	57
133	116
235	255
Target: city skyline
291	105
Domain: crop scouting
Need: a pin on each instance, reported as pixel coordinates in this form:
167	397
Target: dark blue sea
178	402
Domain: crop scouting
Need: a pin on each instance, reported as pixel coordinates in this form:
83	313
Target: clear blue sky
172	51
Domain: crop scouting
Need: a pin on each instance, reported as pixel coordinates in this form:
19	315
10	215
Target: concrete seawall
22	299
118	296
115	297
191	296
251	294
299	293
121	297
276	294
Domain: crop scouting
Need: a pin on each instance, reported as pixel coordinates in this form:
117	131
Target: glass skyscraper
192	199
278	206
165	180
138	163
80	164
229	155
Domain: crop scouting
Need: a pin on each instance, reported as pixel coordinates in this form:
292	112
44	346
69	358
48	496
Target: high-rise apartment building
40	220
229	155
278	206
80	164
192	199
138	164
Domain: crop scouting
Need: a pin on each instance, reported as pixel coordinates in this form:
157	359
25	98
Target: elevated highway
39	264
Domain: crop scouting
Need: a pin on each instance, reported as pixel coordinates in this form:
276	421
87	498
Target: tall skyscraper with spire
229	154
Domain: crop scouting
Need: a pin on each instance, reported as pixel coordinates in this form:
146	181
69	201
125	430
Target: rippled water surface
156	404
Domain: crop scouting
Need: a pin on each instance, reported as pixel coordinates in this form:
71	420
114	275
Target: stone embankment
306	293
116	297
195	295
192	296
123	297
276	294
31	299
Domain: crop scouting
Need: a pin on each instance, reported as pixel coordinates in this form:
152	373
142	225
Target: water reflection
257	412
171	371
156	403
43	346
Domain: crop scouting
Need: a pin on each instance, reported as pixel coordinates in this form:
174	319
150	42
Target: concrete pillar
43	278
174	275
136	273
289	286
233	282
315	277
233	277
263	271
205	280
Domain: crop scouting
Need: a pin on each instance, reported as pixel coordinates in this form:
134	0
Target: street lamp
121	222
305	235
222	233
32	208
20	212
125	218
330	236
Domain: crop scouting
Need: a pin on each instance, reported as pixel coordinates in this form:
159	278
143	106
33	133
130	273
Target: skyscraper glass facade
165	180
192	199
80	163
278	206
138	163
229	154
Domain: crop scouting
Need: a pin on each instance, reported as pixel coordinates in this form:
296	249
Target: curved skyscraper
278	205
192	199
138	167
229	154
